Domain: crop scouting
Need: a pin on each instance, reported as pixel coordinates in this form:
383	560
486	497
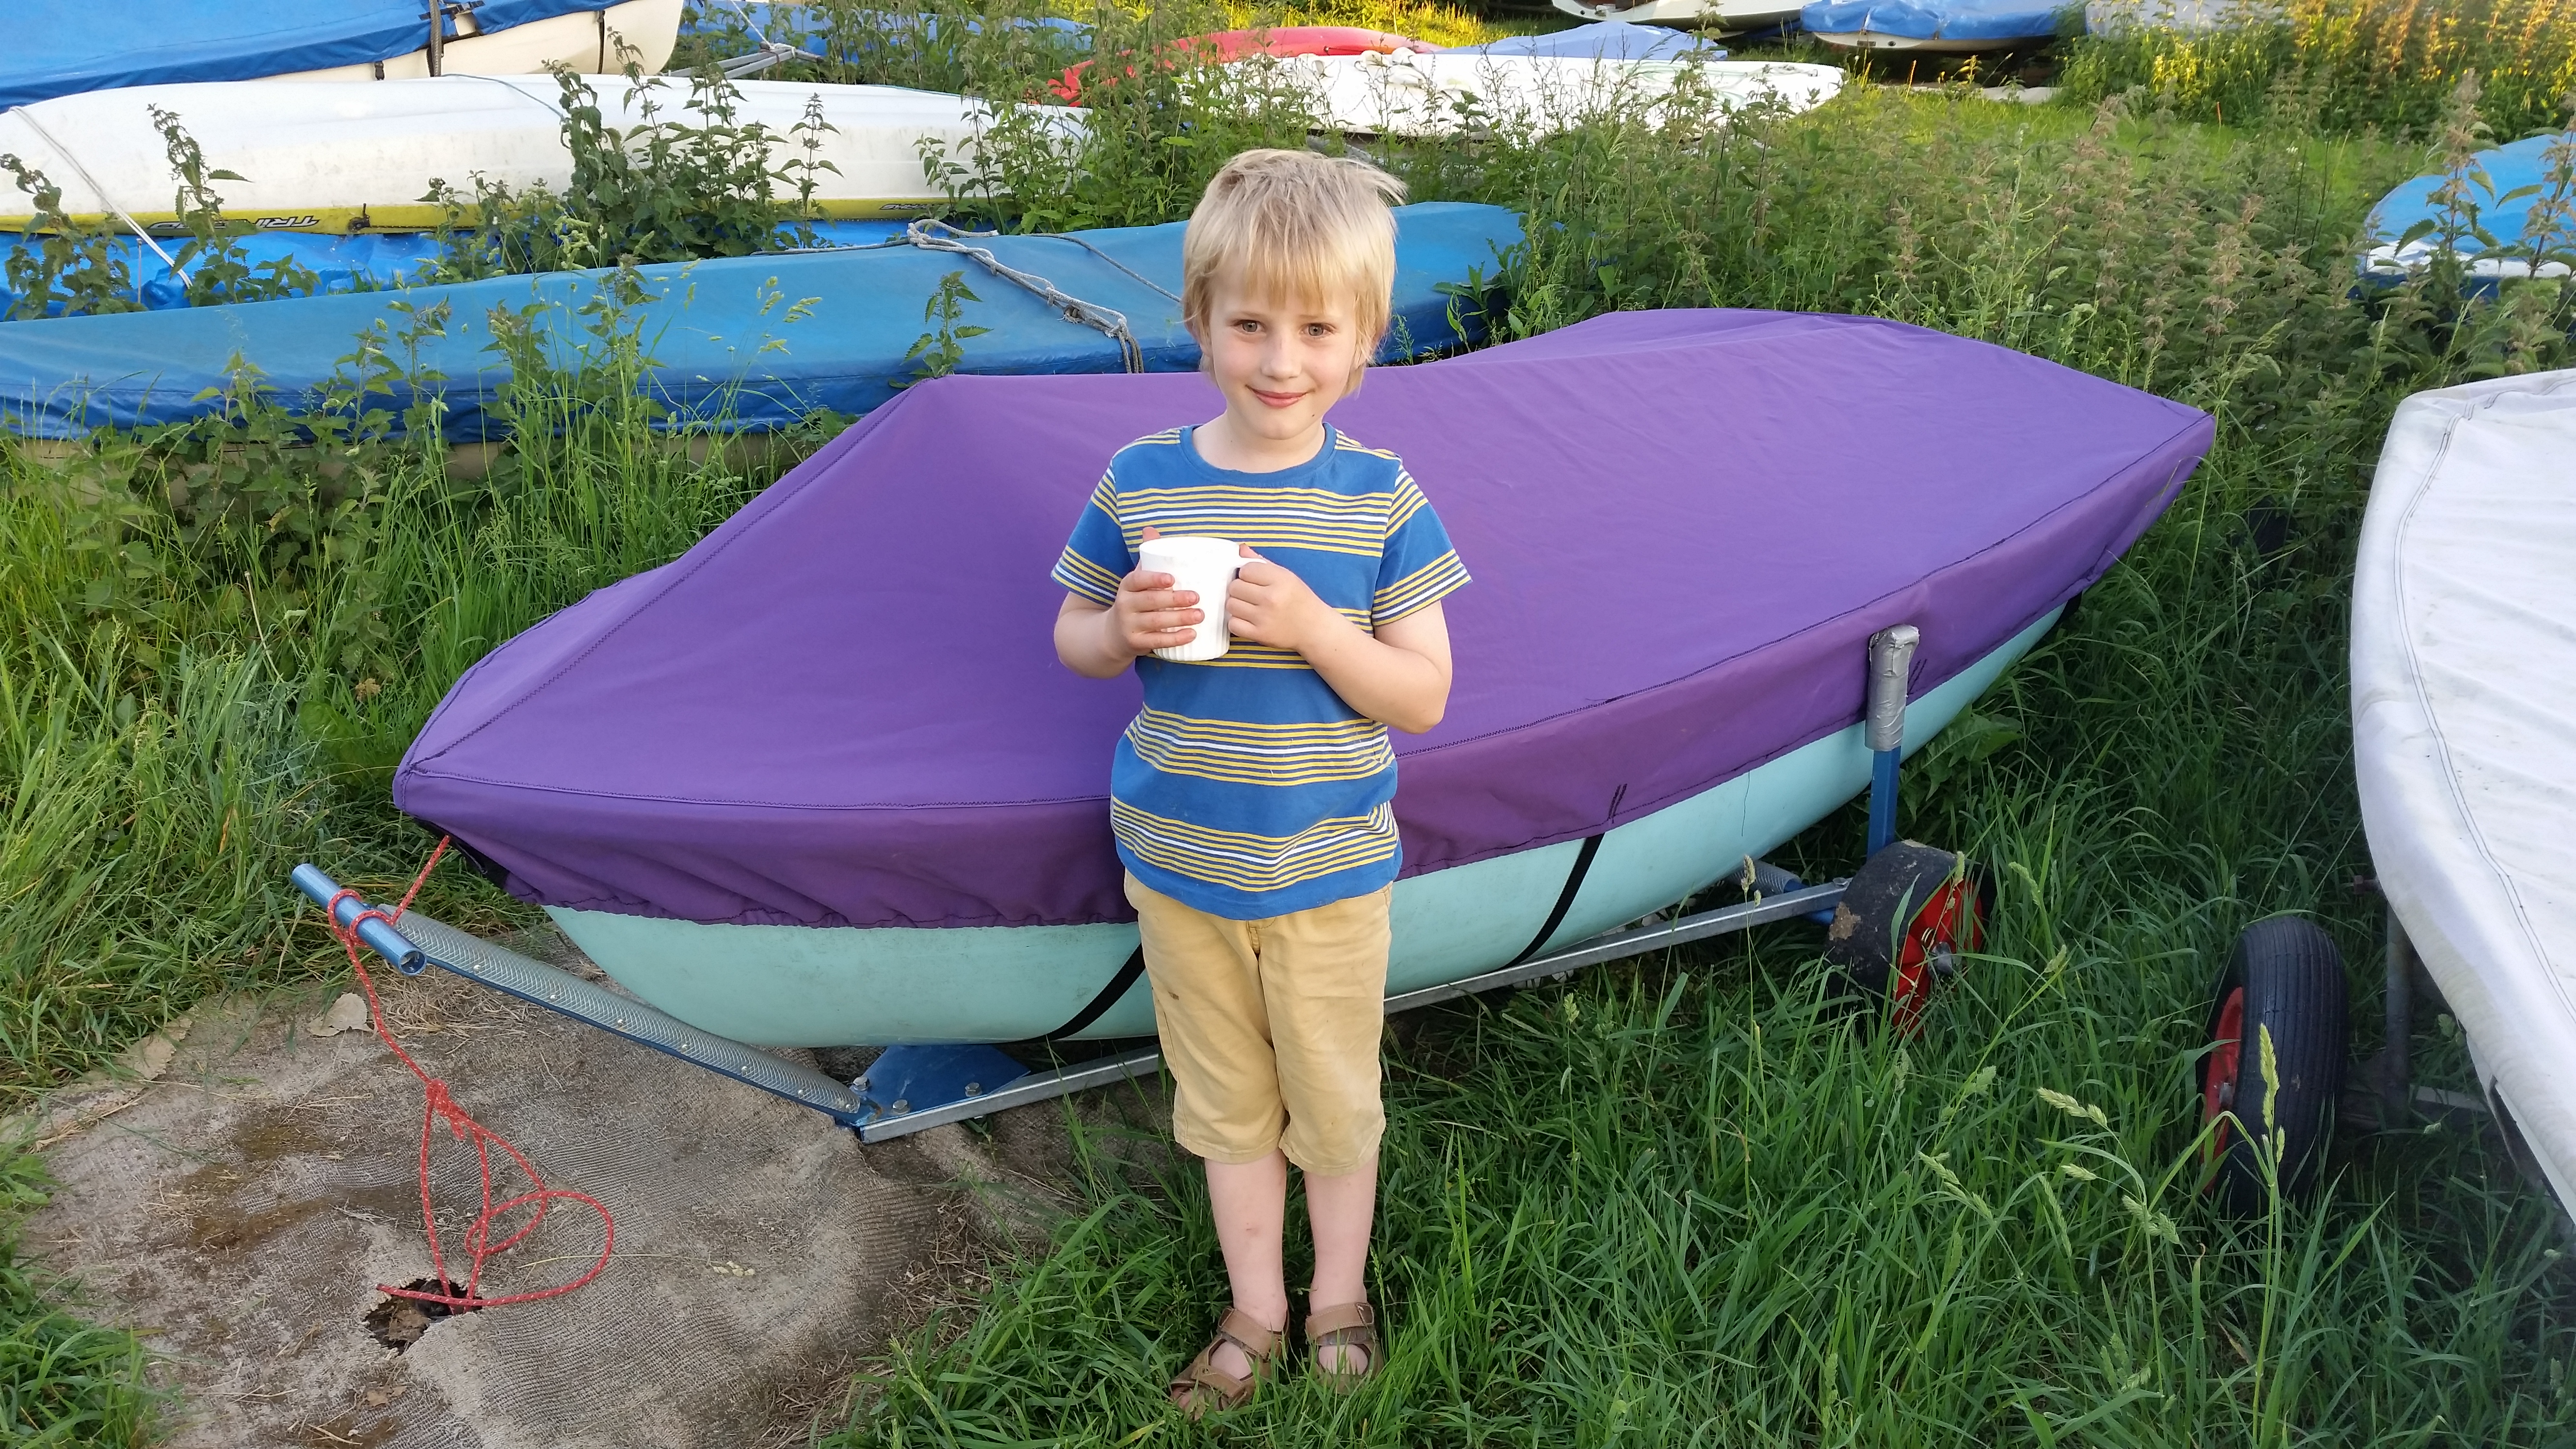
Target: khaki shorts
1270	1028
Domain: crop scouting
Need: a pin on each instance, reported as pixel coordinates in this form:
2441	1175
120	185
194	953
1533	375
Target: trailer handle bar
374	931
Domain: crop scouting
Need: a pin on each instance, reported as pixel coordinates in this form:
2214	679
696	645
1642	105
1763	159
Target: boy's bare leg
1250	1200
1342	1210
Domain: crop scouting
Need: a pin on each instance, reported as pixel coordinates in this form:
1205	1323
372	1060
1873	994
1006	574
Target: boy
1251	797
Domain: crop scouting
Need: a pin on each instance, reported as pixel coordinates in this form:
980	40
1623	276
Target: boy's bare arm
1100	641
1399	677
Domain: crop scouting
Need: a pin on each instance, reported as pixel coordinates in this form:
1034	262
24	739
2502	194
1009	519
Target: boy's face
1280	361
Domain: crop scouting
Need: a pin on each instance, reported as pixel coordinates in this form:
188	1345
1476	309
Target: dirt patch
246	1206
399	1321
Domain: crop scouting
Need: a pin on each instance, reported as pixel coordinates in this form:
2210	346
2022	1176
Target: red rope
441	1107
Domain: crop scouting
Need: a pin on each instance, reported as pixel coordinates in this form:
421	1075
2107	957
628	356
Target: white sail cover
2464	701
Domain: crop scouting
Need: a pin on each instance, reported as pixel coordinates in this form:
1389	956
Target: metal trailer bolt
900	1105
974	1089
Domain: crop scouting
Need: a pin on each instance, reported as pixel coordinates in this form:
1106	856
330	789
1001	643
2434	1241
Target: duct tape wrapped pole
1891	668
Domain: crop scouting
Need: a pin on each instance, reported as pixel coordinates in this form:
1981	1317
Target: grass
63	1382
1670	1201
1675	1203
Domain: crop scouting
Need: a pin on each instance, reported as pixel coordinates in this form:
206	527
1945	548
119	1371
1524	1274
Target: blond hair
1299	225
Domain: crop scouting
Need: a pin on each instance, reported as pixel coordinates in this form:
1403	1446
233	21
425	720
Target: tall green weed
661	190
216	638
2347	66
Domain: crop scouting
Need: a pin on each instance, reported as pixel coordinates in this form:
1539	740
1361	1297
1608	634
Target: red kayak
1228	46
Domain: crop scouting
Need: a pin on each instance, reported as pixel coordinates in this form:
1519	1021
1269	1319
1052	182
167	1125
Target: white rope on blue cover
1106	320
29	116
770	53
1106	257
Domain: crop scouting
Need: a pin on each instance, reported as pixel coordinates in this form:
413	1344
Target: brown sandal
1201	1386
1350	1327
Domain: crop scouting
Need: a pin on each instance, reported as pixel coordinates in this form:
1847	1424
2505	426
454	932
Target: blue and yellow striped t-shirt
1246	787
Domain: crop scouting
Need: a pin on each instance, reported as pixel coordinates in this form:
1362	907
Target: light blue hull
836	986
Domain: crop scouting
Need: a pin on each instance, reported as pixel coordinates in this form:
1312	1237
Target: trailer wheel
1901	925
2285	977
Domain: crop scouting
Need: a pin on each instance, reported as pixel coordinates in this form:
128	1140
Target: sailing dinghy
2463	681
737	343
356	156
1935	27
821	780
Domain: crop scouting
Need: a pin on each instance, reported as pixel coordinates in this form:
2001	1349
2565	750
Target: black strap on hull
1108	997
1564	898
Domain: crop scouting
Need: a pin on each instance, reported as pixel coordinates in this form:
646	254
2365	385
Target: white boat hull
1406	94
350	156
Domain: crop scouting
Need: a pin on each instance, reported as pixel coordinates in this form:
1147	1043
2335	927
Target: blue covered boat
748	342
366	262
2522	196
1604	39
1941	27
64	47
851	35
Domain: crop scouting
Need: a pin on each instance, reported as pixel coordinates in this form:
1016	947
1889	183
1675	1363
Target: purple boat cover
843	706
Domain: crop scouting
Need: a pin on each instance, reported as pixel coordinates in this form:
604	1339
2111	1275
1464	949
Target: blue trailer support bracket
922	1114
423	940
1882	798
934	1076
910	1088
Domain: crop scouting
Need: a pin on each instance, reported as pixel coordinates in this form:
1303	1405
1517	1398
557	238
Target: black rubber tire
1902	897
2293	982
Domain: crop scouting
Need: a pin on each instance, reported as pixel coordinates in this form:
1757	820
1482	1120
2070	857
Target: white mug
1204	566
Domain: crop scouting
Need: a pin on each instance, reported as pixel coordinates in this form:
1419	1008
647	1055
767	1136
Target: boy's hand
1267	604
1150	614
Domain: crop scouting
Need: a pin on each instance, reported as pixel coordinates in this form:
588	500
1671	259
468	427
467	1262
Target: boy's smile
1281	364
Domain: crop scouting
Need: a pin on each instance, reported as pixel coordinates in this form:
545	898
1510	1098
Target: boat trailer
910	1088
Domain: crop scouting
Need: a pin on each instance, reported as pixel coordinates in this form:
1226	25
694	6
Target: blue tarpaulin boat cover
1995	20
1602	40
810	28
2524	164
63	47
749	342
364	262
